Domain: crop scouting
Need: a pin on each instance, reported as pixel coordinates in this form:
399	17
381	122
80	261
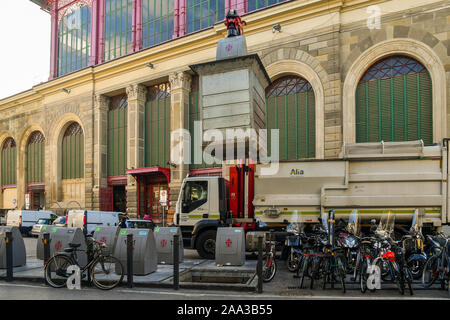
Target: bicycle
438	265
106	271
270	264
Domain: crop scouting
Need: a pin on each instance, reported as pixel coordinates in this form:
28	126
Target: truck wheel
206	244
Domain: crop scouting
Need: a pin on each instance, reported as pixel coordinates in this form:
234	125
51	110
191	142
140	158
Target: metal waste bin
60	237
18	247
145	258
230	246
107	235
164	244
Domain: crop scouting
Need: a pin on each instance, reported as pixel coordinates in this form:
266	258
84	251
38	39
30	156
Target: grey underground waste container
107	235
60	237
230	246
164	244
18	247
145	259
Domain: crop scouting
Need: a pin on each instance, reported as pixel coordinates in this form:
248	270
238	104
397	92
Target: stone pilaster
101	105
135	159
180	84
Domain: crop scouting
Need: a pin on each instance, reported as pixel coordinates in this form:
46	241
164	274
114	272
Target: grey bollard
130	260
259	268
9	256
176	262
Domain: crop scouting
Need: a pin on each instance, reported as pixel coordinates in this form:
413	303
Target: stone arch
22	163
55	156
408	47
284	67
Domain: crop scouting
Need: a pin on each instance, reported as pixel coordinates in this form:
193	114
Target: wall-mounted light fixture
150	65
65	90
174	165
276	27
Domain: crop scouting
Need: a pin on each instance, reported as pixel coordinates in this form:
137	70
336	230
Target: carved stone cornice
180	80
136	92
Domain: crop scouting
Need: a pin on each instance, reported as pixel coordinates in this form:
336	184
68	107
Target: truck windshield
195	194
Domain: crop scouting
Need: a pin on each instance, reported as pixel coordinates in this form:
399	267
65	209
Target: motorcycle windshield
416	221
324	220
353	223
386	225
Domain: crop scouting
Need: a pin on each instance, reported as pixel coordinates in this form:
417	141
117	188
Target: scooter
293	244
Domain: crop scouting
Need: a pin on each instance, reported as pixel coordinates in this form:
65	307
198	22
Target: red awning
150	171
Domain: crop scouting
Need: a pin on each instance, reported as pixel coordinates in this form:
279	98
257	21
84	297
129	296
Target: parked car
89	220
37	228
60	222
140	224
26	219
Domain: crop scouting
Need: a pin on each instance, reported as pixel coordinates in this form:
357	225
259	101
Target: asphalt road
283	287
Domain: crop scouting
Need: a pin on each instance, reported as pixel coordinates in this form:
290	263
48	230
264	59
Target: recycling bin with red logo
60	237
107	235
145	256
230	246
18	247
164	244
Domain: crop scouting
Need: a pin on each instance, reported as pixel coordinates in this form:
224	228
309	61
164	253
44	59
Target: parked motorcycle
413	246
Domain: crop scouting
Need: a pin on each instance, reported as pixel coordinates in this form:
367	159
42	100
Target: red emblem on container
228	242
58	245
163	243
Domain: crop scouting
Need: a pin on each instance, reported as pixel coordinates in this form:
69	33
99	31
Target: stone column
101	106
135	138
180	84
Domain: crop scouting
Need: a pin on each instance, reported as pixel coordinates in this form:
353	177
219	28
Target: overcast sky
24	46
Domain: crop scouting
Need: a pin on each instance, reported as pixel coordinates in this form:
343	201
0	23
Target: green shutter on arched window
72	149
117	136
290	108
35	158
394	102
157	126
9	162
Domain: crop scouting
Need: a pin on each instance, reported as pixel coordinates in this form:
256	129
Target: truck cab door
195	201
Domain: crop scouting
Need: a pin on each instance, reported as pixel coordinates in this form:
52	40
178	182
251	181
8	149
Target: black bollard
9	256
176	261
130	260
259	268
46	241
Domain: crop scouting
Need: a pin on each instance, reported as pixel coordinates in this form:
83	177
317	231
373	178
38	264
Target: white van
89	220
26	219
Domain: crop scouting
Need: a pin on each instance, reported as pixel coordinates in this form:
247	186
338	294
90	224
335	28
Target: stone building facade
329	44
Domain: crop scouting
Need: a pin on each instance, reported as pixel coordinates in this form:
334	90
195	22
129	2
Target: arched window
74	41
290	107
9	161
157	21
157	126
117	135
394	102
118	28
73	152
35	157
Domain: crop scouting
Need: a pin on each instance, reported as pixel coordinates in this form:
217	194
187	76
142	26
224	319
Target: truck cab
202	205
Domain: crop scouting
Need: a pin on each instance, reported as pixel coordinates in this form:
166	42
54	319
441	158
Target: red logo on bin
228	242
103	239
58	245
163	243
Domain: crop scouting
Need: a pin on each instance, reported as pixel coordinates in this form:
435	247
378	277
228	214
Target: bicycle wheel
106	272
55	271
304	269
408	278
429	274
398	278
326	273
363	276
341	270
293	262
269	268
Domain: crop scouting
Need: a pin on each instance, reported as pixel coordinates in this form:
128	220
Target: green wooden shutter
9	162
35	158
157	128
395	108
72	148
117	136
